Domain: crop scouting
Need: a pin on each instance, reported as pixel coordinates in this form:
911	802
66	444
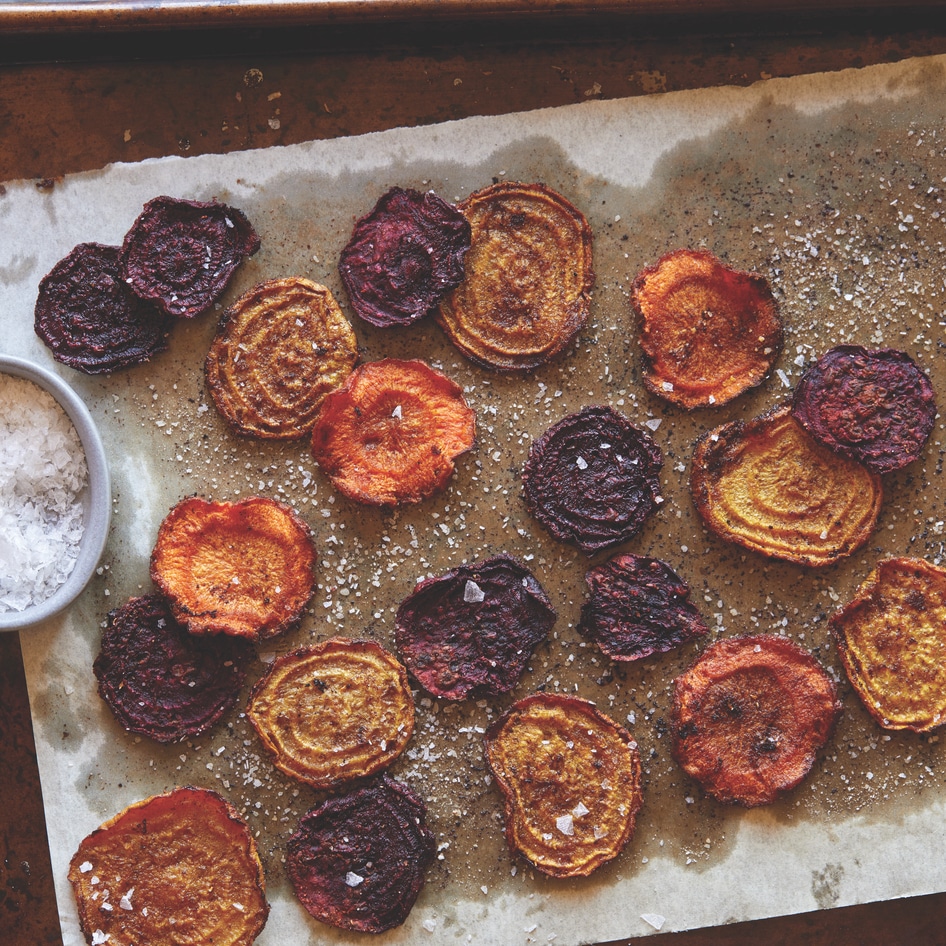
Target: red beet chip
180	254
592	478
357	861
403	257
88	317
638	606
874	406
159	680
473	629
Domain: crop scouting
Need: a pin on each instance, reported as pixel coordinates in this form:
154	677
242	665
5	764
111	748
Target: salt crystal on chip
473	593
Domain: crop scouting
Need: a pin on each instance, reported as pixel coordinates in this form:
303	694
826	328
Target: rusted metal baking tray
163	14
832	187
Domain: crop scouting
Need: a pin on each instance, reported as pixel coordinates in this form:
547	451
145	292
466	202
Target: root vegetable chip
172	869
638	606
335	712
708	332
750	716
571	783
391	433
891	638
769	487
404	257
279	350
874	406
472	630
159	680
529	274
242	568
180	254
88	317
593	478
358	861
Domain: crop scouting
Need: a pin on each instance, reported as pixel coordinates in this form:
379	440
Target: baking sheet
74	15
831	185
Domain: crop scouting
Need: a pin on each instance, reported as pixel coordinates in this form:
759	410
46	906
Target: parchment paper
831	186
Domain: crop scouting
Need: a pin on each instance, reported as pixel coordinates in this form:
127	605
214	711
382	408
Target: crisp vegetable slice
175	868
471	631
769	487
161	681
708	331
88	317
529	275
593	478
181	254
243	568
358	861
279	350
872	405
638	606
571	782
750	716
404	257
391	434
891	638
334	712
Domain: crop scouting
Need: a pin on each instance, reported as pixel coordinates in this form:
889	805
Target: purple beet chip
472	630
180	254
404	257
638	606
358	861
88	317
592	479
874	406
159	680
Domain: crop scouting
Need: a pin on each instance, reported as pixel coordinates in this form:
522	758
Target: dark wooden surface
71	102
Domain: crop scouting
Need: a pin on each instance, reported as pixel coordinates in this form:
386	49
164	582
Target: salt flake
473	593
565	824
654	919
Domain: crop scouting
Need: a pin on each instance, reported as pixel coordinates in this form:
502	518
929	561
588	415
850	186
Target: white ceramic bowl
96	497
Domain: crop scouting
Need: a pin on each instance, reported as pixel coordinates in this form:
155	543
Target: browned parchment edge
45	16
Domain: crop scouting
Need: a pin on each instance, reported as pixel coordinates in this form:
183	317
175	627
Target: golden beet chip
242	568
749	717
279	349
173	869
570	779
338	711
768	486
892	642
529	274
391	433
708	332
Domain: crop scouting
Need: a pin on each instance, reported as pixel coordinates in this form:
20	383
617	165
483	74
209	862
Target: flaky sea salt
472	592
42	472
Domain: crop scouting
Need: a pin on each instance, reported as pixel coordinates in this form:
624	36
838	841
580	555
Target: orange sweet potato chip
529	274
391	433
749	717
571	782
708	332
175	868
243	568
768	486
280	348
891	638
335	712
